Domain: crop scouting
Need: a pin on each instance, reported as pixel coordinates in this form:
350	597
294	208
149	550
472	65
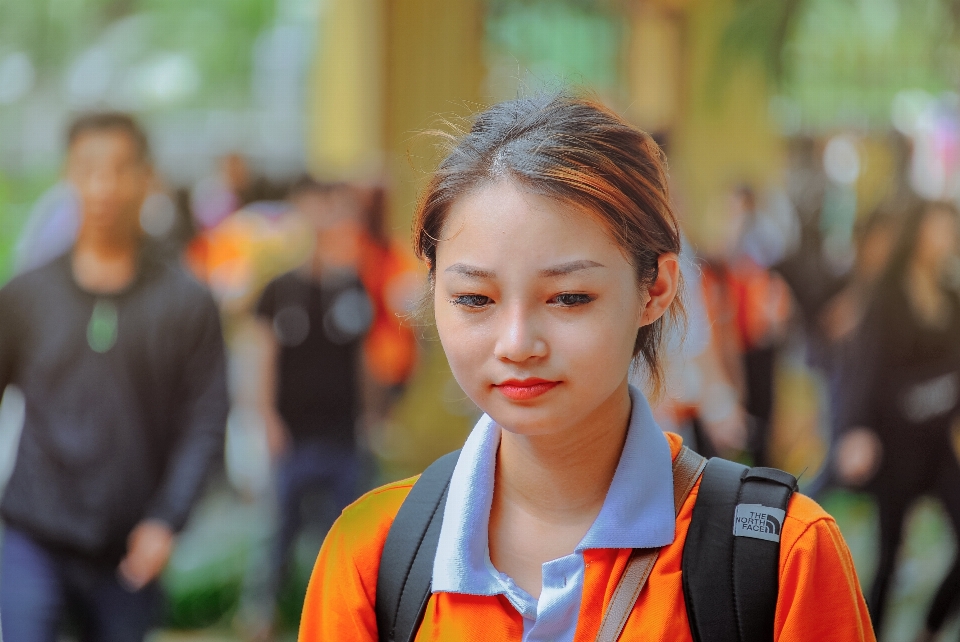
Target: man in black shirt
312	322
120	359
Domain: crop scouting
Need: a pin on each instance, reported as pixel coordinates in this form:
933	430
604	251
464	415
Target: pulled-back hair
109	121
580	153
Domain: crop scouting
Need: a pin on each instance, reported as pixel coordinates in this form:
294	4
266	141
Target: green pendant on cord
102	329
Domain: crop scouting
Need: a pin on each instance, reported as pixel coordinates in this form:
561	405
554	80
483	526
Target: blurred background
787	125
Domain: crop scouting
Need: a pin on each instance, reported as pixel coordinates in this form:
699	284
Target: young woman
902	391
552	255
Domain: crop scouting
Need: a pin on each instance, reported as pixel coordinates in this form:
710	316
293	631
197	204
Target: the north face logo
758	521
773	525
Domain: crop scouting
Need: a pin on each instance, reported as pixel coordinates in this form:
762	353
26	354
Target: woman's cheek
585	355
599	353
465	347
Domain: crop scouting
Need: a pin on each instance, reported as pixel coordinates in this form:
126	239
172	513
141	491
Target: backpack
730	562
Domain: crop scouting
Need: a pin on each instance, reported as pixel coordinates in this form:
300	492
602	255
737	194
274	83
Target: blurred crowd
295	350
290	351
870	304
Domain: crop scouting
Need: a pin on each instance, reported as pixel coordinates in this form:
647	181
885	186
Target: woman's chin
528	421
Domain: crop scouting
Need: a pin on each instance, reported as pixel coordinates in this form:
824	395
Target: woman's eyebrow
567	268
471	271
557	270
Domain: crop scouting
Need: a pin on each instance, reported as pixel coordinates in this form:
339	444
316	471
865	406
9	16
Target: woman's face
537	308
937	239
874	251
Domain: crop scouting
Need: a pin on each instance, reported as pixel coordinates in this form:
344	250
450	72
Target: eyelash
470	300
578	299
564	300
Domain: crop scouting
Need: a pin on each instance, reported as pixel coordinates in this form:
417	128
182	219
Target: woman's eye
570	300
471	300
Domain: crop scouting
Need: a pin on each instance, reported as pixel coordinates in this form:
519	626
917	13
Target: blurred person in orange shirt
699	401
311	324
393	282
119	355
749	306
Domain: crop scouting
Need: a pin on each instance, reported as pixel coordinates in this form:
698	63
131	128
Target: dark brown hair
578	152
98	122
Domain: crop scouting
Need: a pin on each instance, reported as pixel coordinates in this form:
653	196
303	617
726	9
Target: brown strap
628	590
687	467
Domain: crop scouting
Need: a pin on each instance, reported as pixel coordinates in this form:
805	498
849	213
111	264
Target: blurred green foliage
841	62
575	42
845	61
217	35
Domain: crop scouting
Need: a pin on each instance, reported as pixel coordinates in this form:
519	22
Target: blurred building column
434	70
655	64
434	67
385	71
345	97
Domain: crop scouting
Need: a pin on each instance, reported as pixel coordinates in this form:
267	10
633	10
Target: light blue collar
637	512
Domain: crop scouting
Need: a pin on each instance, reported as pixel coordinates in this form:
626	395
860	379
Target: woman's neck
566	474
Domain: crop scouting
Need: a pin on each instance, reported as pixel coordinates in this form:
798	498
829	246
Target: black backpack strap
731	557
406	564
756	560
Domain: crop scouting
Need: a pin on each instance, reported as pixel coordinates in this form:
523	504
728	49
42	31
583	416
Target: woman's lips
517	390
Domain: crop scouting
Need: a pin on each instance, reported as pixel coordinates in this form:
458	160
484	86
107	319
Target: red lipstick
526	389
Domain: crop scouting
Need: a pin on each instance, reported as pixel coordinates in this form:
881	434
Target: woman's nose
520	336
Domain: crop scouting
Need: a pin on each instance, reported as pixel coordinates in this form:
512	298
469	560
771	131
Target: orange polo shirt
819	599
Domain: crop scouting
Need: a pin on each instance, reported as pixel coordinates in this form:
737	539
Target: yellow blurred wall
386	72
345	94
725	134
434	68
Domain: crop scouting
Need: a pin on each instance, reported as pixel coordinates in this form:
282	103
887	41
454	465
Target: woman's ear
663	290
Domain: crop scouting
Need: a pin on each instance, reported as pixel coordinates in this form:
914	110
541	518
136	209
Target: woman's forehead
503	210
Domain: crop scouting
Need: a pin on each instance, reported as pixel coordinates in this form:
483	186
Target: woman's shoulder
803	512
810	534
360	532
819	594
370	517
339	604
356	539
806	526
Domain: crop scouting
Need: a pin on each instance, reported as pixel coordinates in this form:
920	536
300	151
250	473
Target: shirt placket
556	610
